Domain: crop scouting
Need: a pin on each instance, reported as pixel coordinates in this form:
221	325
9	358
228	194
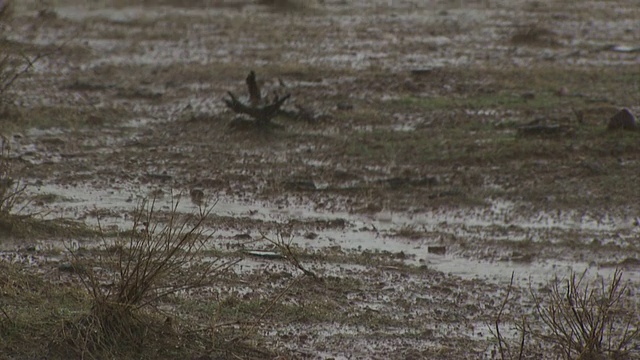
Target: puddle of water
373	233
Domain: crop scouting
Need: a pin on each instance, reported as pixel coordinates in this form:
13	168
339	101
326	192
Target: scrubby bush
576	319
156	258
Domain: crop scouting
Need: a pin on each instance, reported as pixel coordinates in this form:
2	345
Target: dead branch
254	90
260	114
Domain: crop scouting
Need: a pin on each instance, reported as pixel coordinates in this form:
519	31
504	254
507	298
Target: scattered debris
264	254
624	120
543	130
622	48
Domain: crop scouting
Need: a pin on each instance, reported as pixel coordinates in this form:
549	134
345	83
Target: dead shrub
153	260
11	188
589	320
575	319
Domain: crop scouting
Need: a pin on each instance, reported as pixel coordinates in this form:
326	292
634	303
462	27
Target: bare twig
289	254
588	320
501	342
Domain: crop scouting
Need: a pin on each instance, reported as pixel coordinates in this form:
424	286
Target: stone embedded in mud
438	250
398	182
300	185
563	91
624	120
197	195
529	95
243	236
310	236
344	106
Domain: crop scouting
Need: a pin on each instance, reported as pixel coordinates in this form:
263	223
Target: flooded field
404	180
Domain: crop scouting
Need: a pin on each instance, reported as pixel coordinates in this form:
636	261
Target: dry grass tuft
151	262
11	188
575	319
589	320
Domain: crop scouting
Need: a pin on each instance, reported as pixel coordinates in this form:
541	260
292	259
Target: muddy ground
406	180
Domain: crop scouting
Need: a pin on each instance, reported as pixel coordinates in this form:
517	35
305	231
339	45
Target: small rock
563	91
344	106
529	95
47	14
197	195
67	267
244	236
300	185
438	250
421	72
623	119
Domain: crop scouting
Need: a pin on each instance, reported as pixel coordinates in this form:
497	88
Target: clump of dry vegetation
13	63
157	258
9	191
6	75
575	319
11	188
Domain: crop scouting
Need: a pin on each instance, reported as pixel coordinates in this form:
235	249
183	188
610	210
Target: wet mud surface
406	186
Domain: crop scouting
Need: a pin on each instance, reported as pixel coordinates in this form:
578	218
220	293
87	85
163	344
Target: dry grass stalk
11	189
575	320
589	320
151	262
284	243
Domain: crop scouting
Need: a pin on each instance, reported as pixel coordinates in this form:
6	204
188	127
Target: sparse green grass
29	226
33	309
500	100
44	117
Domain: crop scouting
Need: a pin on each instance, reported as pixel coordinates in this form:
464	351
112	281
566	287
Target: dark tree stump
257	109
